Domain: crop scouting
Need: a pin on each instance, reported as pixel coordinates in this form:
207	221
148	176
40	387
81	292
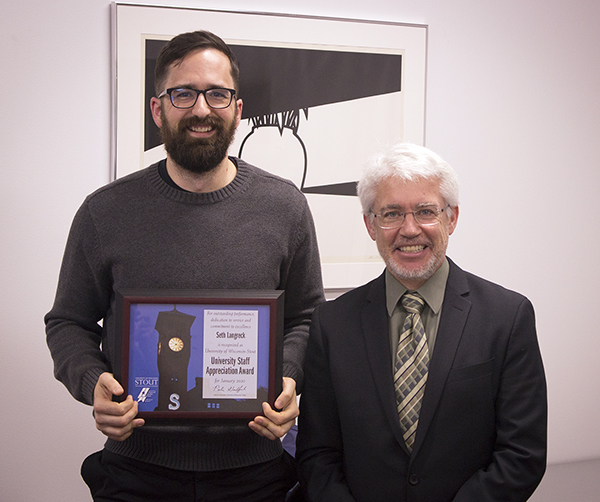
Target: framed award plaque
200	354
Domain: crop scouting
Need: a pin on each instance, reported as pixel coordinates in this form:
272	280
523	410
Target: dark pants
114	478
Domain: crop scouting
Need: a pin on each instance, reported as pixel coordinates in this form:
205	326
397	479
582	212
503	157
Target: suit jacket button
413	480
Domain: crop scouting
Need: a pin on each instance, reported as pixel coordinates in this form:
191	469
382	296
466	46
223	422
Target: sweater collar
162	183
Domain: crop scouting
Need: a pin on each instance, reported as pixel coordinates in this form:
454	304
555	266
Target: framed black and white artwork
321	96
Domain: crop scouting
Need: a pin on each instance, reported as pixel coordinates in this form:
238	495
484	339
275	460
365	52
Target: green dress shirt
432	292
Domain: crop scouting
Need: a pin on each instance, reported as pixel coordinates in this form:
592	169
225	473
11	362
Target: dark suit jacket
482	429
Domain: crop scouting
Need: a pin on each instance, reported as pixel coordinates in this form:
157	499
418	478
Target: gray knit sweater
138	232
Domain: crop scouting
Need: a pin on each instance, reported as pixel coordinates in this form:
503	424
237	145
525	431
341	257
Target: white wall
512	104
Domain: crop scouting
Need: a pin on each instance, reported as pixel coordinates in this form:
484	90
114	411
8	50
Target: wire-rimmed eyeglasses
185	97
424	216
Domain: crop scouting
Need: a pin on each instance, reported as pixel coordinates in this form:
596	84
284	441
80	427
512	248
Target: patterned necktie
412	363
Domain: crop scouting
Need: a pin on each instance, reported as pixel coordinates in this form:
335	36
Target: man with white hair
426	384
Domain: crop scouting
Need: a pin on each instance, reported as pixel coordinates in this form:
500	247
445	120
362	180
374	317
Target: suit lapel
455	311
375	329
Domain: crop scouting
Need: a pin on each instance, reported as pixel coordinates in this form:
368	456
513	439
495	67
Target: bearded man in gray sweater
197	220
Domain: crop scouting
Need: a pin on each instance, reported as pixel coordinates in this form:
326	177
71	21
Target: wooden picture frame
200	354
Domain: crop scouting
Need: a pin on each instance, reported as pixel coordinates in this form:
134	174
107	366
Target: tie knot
413	303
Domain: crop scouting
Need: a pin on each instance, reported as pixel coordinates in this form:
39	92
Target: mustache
410	242
210	121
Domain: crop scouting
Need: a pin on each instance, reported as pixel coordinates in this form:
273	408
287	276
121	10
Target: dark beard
193	154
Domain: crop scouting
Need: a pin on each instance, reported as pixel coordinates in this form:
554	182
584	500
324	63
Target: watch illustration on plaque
176	344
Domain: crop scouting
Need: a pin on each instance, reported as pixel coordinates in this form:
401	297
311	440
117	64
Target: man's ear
453	220
156	107
370	226
239	104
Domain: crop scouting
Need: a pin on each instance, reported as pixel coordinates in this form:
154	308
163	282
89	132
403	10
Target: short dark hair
182	45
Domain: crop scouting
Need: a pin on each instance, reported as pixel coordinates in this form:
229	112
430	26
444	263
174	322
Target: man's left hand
276	424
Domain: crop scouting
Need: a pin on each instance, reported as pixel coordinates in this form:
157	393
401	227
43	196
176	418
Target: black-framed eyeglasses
185	97
424	216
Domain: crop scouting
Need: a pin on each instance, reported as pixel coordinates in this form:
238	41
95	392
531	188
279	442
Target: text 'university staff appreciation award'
230	349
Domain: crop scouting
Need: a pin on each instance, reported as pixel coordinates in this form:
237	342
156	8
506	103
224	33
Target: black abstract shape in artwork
279	84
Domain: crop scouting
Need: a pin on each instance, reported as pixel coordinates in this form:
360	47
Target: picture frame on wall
200	354
320	97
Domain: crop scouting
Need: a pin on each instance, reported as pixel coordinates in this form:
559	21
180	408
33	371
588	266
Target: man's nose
410	227
201	108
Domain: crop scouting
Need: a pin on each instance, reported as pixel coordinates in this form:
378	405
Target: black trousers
115	478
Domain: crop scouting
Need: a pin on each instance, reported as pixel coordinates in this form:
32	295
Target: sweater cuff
88	384
292	371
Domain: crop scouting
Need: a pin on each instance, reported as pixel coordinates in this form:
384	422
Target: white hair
406	162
